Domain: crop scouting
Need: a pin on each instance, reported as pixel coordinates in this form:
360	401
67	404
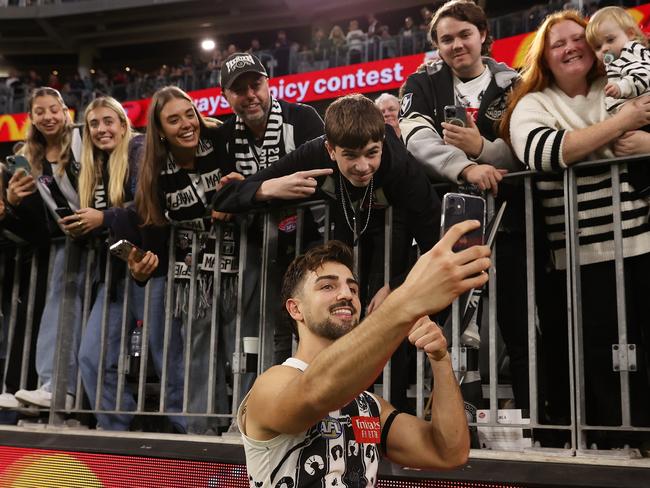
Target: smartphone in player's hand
456	114
458	207
121	249
18	163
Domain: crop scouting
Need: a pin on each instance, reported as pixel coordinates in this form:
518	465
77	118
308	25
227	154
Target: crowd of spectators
178	137
364	40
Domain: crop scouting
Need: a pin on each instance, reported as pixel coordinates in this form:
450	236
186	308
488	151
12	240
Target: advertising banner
31	468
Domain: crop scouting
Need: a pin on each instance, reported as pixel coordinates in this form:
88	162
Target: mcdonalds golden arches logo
13	127
57	470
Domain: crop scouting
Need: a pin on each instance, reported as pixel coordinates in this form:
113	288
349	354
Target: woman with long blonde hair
110	156
107	137
556	118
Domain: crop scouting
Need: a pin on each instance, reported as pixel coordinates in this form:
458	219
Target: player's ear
293	308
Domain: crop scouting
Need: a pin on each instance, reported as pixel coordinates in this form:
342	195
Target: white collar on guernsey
296	363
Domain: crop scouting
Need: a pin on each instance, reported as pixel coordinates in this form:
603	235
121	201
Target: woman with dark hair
181	170
557	117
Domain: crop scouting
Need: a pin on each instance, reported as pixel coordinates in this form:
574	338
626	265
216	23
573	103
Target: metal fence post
64	341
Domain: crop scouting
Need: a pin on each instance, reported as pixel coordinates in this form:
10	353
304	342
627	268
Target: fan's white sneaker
39	398
42	398
8	400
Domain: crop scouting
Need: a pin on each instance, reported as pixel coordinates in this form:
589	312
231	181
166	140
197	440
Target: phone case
122	249
18	162
457	207
455	114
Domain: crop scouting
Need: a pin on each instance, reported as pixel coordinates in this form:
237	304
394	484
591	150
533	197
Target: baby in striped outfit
621	46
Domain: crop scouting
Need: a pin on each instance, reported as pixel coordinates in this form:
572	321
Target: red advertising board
41	468
23	467
375	76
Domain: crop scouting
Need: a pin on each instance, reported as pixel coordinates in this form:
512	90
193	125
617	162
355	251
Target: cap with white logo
236	65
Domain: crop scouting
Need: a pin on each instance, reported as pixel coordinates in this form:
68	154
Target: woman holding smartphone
25	223
110	156
180	173
54	172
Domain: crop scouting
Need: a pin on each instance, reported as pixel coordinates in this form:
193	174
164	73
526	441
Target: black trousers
371	270
512	303
21	269
599	332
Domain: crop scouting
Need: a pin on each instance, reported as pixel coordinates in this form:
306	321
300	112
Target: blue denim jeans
46	345
90	349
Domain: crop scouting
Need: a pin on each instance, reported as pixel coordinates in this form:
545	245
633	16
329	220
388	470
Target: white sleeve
534	136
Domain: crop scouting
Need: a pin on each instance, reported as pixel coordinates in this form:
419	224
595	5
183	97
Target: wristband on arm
386	428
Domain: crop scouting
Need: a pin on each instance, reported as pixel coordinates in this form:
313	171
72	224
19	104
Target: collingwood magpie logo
496	109
239	62
406	103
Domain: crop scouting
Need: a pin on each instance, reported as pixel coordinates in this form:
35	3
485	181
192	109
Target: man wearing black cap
263	130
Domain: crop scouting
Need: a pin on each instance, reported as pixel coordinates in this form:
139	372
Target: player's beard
329	328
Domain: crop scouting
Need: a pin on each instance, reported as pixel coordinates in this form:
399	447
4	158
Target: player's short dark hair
332	251
353	121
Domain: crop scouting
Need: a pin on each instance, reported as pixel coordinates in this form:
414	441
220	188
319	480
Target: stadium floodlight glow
208	45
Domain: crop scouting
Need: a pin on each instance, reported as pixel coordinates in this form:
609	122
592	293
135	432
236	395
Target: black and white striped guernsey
325	455
538	128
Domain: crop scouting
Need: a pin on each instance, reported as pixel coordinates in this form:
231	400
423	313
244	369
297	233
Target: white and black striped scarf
250	158
187	194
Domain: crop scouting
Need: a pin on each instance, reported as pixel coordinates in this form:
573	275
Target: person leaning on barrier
465	76
556	118
110	157
363	167
360	164
263	130
24	223
473	154
182	166
54	172
310	420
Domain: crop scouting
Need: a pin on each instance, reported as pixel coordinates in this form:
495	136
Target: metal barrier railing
624	354
201	336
